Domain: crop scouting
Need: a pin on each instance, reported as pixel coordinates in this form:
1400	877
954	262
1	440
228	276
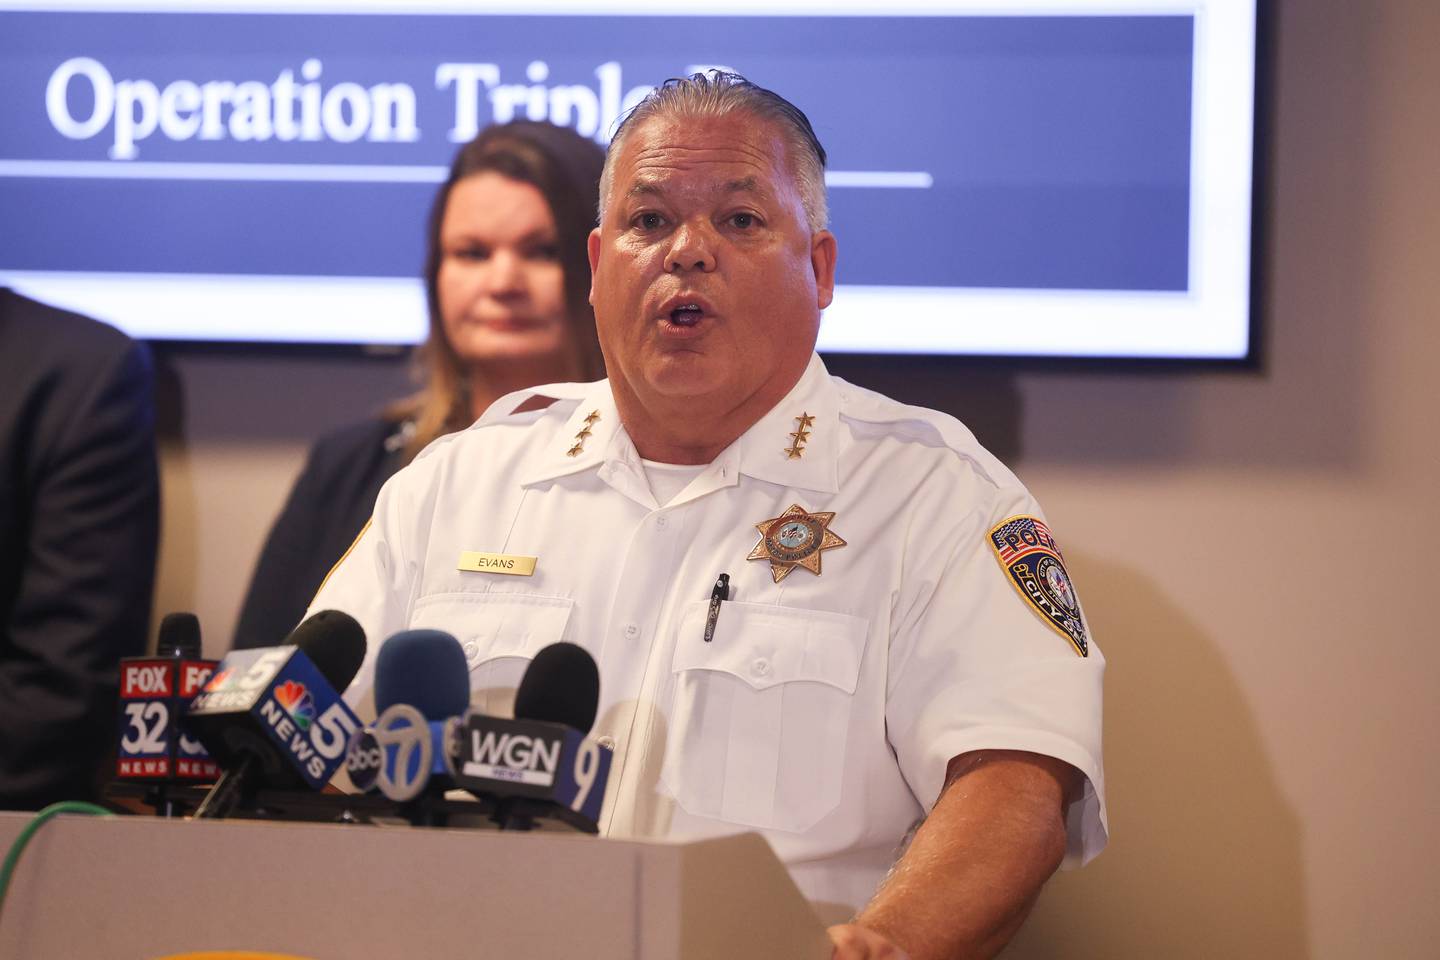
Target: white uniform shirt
826	708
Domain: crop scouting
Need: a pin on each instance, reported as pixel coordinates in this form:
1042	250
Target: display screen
1018	178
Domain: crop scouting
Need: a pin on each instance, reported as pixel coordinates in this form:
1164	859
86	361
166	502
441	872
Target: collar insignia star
795	539
583	435
796	450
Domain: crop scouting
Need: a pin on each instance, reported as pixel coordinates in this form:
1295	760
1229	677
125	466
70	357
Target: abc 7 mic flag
402	752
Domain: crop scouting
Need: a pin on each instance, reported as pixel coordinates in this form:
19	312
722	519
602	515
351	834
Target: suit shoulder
43	332
360	447
355	439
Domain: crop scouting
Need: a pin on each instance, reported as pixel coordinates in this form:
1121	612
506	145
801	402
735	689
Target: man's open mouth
686	315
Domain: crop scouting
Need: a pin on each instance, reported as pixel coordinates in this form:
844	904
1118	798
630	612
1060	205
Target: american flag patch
1019	536
1031	557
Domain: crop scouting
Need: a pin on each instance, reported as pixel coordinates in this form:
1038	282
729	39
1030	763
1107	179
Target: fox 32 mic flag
154	692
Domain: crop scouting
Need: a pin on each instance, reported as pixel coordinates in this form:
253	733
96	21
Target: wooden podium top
137	887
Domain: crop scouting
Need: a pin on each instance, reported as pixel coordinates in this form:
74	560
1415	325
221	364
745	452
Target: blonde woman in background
506	282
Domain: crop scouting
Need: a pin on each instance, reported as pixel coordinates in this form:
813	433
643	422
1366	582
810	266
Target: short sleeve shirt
863	646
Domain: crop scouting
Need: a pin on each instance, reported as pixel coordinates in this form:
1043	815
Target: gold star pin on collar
795	539
583	435
798	437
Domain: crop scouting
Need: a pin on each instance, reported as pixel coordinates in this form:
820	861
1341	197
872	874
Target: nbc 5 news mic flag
283	697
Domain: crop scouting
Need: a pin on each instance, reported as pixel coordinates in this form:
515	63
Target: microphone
154	694
422	686
274	717
541	763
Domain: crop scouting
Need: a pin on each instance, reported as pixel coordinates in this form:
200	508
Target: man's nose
692	248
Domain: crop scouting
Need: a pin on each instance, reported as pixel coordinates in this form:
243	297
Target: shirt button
472	652
631	631
761	666
607	741
660	522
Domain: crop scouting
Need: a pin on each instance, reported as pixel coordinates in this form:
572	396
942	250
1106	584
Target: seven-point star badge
794	539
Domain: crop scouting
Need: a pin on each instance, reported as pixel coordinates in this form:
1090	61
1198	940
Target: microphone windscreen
561	685
425	669
335	643
179	636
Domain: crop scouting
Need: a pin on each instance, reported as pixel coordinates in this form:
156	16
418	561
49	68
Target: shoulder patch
1031	557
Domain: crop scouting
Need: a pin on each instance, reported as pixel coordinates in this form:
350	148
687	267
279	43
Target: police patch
1031	556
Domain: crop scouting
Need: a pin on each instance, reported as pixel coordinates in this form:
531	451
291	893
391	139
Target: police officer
817	613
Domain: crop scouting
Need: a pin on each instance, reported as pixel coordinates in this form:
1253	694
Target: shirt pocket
500	634
761	715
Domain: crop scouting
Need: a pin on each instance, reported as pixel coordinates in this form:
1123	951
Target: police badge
794	539
1032	558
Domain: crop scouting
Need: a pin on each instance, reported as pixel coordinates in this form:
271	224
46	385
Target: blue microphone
422	686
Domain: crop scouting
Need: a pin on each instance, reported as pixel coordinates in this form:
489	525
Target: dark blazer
328	506
79	522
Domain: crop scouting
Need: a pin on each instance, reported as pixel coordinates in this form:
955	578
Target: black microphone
541	763
422	686
154	694
561	685
274	717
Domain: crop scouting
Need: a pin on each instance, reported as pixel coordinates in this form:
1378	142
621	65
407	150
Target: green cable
7	869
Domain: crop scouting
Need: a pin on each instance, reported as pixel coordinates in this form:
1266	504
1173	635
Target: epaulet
530	400
516	407
921	425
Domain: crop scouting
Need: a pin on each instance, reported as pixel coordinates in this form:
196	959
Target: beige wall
1251	547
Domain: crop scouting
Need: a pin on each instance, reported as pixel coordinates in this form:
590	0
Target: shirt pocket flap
765	645
494	625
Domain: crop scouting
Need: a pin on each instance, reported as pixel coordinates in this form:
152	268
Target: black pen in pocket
717	595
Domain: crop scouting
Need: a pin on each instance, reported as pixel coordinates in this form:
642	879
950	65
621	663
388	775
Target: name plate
508	564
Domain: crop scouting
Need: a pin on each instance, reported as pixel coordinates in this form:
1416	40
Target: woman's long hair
565	167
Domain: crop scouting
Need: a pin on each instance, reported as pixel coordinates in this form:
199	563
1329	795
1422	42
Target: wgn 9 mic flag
154	694
543	755
274	716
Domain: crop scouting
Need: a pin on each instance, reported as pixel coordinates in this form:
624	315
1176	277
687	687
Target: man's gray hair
720	94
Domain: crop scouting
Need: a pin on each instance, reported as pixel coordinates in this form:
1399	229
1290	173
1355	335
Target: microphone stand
228	791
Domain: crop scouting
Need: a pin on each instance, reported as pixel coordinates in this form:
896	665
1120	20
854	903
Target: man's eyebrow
644	188
744	185
655	188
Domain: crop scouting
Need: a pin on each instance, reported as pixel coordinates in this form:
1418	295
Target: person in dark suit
79	525
507	284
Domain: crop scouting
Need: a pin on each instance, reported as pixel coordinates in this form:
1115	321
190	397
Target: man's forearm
976	866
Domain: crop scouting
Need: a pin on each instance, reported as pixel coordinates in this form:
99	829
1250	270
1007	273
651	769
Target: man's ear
592	247
822	261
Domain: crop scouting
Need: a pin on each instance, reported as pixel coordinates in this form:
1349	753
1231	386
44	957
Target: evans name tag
505	563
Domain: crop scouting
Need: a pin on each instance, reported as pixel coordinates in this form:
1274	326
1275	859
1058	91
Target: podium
140	887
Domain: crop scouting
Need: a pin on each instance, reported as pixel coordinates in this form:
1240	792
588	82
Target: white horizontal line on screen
349	172
863	318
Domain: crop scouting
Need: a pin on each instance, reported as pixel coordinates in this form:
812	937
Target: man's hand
854	942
